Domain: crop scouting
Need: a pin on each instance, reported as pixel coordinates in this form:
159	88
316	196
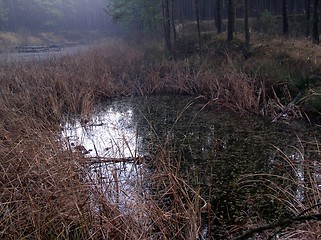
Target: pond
230	156
15	56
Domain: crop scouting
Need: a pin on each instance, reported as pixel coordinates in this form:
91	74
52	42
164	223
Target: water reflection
110	143
110	134
214	146
15	56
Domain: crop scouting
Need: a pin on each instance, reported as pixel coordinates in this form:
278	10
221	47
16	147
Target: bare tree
308	17
231	20
167	25
246	28
218	19
315	32
173	23
285	17
197	10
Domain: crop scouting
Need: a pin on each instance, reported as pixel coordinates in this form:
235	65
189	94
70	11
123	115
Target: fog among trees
297	17
143	13
159	17
53	15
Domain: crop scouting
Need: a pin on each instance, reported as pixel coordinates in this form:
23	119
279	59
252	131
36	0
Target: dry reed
43	191
296	191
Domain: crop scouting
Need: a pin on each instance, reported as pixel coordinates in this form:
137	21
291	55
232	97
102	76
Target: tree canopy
135	14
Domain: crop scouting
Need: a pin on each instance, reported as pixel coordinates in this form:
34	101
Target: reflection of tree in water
215	148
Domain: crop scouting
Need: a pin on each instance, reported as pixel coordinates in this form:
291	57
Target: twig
301	214
289	106
282	223
94	160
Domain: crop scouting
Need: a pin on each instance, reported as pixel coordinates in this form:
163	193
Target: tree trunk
173	23
198	22
218	18
285	17
246	27
13	20
231	20
167	25
308	17
315	34
275	7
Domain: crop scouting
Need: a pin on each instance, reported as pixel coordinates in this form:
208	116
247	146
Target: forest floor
285	65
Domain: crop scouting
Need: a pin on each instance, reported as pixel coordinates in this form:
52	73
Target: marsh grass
296	191
43	191
47	192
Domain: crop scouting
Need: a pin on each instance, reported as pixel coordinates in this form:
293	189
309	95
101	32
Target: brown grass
296	190
43	191
74	83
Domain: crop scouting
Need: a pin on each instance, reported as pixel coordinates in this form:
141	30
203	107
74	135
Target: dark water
216	149
15	56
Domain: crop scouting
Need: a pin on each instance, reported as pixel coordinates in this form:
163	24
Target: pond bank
215	151
42	177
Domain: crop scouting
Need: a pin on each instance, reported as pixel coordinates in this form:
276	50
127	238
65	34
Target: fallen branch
289	106
95	160
282	223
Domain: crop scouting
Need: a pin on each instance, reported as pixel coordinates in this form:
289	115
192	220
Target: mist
55	15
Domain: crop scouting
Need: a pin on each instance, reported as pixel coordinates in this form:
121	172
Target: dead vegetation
297	190
44	194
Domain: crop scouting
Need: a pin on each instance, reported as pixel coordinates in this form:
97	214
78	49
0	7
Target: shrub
267	21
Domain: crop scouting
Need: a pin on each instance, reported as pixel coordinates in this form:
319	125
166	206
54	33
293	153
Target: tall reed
45	193
295	190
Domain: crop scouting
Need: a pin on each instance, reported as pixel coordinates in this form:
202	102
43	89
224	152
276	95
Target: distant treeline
185	9
17	15
166	16
144	15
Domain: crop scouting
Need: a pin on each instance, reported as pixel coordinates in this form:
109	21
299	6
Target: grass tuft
44	192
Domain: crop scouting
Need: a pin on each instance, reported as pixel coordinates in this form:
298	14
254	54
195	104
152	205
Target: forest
160	119
48	15
143	15
146	16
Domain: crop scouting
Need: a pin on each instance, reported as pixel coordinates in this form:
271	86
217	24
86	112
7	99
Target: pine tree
315	32
285	17
231	20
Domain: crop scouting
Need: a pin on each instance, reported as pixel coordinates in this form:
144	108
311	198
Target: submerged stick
289	106
137	160
282	224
